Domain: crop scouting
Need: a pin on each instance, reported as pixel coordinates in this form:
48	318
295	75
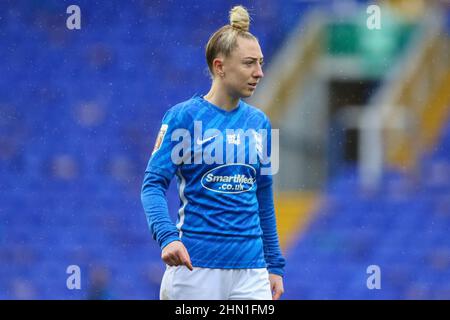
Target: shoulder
255	113
182	111
182	107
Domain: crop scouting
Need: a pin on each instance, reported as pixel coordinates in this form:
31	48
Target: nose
258	72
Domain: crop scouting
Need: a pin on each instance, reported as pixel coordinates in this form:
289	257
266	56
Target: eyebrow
253	58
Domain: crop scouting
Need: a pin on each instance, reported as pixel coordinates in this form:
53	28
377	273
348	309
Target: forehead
247	48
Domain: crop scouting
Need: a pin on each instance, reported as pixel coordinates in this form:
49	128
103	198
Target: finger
276	291
276	295
188	264
172	260
187	260
178	260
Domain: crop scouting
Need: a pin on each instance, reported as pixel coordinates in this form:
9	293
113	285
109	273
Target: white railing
389	125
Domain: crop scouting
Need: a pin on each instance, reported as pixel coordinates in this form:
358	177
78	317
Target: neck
221	98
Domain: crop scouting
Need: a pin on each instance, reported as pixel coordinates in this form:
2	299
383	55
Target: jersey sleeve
264	193
161	160
153	197
264	176
158	174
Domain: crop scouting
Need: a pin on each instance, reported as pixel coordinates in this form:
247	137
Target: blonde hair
224	40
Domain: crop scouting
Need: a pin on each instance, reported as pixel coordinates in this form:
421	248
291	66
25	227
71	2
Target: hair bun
239	18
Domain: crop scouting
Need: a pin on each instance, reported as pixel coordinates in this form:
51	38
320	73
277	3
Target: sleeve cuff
169	240
277	271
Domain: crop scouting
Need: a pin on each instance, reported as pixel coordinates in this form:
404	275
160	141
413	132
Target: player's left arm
272	251
264	192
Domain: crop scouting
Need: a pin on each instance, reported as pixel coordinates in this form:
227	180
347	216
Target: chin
246	94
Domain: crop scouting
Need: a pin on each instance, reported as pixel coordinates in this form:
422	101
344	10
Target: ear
218	67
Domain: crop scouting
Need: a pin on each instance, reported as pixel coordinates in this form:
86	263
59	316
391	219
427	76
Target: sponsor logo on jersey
200	142
230	178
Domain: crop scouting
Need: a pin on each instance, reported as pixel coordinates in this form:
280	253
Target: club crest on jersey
160	138
234	139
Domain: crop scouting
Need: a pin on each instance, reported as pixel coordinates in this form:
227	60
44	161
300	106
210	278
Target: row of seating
402	230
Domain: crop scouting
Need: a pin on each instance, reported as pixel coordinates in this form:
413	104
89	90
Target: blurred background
364	123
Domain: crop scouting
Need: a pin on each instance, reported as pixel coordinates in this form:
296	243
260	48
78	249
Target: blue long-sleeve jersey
226	217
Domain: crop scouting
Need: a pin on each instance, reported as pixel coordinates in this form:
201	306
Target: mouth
253	85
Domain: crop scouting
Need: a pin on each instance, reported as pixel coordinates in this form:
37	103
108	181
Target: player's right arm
160	171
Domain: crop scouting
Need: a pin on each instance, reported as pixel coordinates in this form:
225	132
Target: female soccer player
225	243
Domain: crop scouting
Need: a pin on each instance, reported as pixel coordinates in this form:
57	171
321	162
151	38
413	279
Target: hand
276	286
176	254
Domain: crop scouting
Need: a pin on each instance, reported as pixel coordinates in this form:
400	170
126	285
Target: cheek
236	78
242	75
